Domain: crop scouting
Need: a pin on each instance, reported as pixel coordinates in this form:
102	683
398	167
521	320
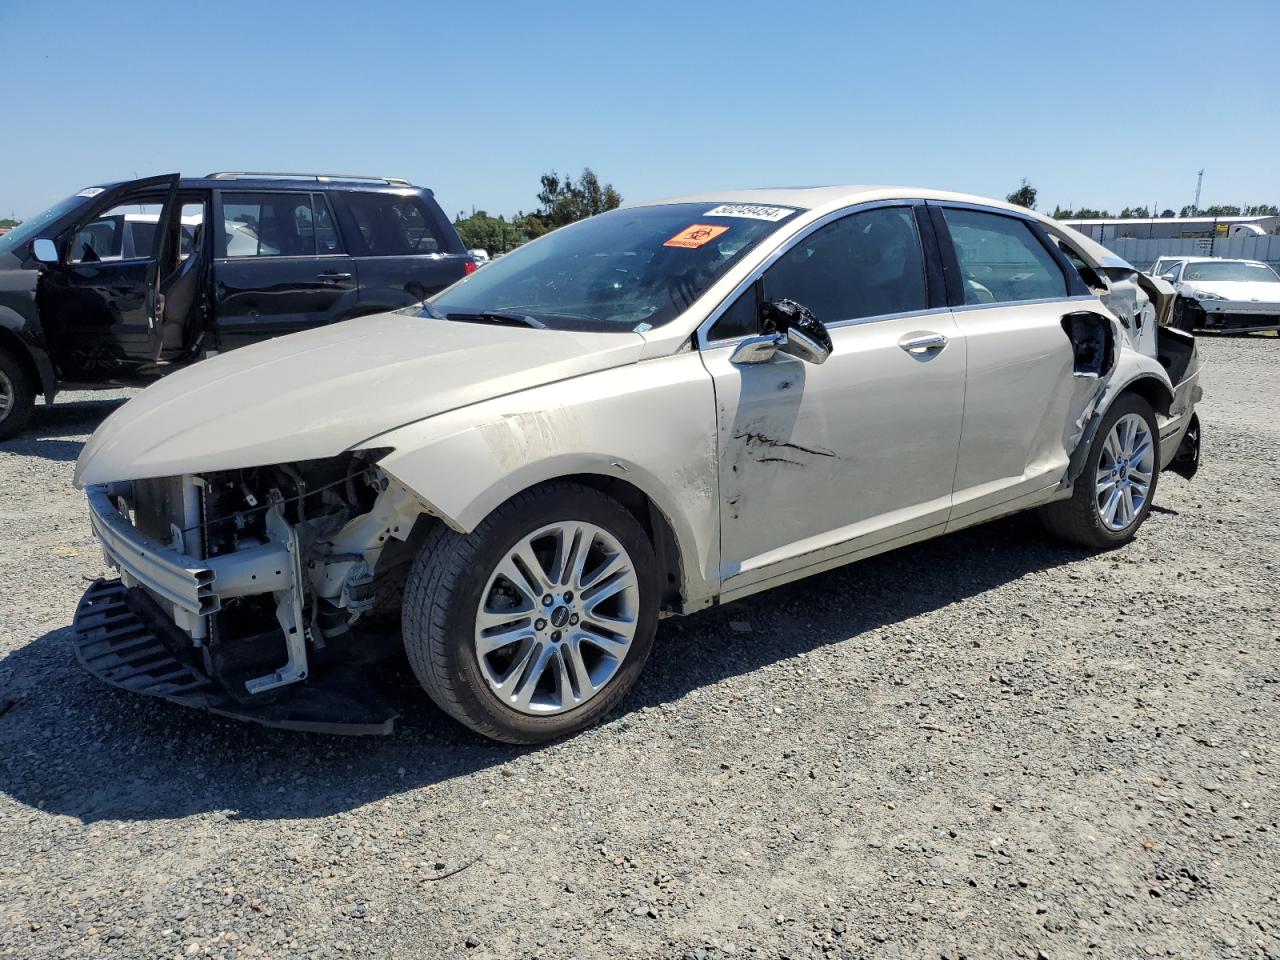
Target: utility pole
1195	204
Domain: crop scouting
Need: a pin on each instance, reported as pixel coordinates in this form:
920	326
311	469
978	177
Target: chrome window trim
968	307
701	336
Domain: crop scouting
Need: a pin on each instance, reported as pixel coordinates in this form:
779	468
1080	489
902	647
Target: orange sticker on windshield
695	236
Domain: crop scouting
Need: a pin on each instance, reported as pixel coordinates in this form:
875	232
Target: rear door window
269	225
394	226
1001	260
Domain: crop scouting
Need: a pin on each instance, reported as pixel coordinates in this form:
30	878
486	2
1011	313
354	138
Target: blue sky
477	99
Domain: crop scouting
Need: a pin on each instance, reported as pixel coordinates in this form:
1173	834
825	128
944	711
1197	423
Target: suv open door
98	304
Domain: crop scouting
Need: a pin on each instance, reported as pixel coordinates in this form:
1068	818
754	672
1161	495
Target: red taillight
469	268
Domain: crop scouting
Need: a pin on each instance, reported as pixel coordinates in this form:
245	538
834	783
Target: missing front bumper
115	642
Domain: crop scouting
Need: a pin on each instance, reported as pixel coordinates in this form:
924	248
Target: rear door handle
924	345
331	277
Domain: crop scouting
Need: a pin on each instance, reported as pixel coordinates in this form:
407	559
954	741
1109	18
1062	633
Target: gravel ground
984	746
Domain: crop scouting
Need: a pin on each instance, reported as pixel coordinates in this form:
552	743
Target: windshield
30	229
629	269
1230	270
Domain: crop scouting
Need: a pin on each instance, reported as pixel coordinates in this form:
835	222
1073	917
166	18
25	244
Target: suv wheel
536	624
1113	493
17	396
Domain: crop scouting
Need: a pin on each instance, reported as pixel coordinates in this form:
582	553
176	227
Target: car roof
830	198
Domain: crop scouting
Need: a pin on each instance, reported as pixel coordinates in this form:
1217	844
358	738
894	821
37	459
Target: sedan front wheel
537	623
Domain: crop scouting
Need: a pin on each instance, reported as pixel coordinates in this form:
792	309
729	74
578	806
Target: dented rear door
1012	290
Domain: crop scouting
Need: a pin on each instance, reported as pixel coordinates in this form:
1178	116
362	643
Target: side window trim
702	338
321	199
1075	287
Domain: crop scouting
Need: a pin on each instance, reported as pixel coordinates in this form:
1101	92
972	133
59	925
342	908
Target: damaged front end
236	586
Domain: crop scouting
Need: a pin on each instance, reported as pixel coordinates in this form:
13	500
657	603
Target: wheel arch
40	373
1152	389
675	543
1144	383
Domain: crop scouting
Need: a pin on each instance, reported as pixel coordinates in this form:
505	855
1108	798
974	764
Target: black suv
125	282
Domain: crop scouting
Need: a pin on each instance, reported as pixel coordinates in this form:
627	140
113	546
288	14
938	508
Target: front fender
25	332
651	425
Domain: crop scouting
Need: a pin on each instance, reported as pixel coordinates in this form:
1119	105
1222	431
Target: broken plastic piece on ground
118	646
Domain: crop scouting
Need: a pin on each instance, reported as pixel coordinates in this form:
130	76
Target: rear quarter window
395	226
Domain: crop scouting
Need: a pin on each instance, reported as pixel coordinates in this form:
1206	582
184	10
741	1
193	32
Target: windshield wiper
489	316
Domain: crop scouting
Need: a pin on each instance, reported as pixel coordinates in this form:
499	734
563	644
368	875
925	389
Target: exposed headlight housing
1196	294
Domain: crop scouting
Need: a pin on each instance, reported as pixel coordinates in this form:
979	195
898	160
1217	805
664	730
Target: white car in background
1227	295
650	412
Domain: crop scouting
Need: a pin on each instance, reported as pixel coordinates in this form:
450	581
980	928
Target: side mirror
1171	277
789	328
44	250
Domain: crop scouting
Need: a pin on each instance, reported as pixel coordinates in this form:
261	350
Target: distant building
1176	228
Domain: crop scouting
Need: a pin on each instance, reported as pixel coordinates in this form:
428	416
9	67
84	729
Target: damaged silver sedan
659	409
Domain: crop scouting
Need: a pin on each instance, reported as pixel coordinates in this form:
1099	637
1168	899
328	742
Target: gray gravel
985	746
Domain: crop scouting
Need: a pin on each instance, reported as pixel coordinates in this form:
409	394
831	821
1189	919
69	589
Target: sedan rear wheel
537	623
1126	470
1113	494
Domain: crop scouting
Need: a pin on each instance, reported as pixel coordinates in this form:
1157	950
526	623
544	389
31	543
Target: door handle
923	346
331	277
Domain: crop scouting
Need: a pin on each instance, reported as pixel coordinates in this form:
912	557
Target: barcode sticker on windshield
752	211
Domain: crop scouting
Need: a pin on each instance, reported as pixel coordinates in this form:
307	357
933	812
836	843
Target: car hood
1245	290
318	393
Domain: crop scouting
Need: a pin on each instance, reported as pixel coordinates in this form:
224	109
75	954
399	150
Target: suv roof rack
318	177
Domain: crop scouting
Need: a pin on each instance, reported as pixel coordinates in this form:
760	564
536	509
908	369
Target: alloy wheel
1125	470
6	395
556	618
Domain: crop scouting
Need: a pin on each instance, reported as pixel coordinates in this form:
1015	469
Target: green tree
1222	210
1189	211
1134	213
1262	210
1024	196
563	201
493	234
6	222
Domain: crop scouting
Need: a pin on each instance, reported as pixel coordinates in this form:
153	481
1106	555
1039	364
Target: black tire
442	596
1078	519
21	394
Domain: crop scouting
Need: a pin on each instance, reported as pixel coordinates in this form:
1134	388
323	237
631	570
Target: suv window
269	225
327	239
393	226
1001	260
123	231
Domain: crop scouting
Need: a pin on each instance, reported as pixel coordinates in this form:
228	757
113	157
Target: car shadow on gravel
50	424
72	746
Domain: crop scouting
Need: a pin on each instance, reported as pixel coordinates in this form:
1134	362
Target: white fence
1142	253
